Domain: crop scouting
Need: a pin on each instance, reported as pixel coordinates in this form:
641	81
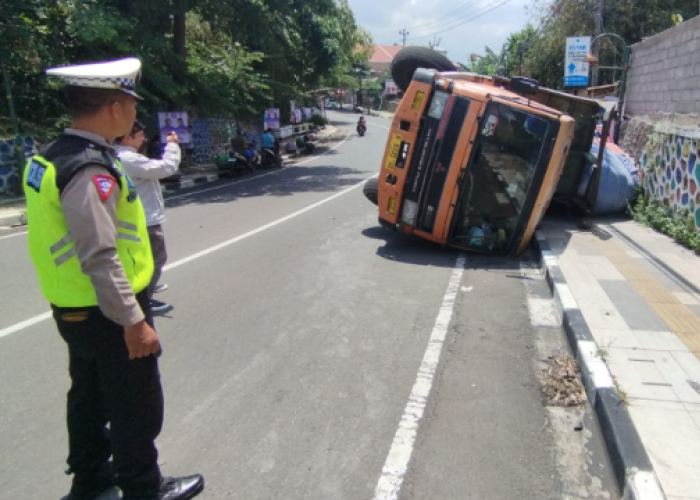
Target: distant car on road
331	104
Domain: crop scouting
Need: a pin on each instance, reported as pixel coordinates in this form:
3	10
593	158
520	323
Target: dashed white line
396	465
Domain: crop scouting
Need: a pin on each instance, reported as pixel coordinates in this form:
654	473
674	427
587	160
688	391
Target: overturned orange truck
473	162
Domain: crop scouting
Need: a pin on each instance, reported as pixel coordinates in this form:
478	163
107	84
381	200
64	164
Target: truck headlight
409	212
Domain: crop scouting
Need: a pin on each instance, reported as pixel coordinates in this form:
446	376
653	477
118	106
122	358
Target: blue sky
422	18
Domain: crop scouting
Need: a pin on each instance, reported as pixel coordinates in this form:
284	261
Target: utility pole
599	7
404	34
435	42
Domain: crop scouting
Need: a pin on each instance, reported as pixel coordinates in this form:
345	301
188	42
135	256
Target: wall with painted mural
671	165
8	164
212	137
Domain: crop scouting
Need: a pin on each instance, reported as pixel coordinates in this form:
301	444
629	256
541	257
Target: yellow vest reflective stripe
52	249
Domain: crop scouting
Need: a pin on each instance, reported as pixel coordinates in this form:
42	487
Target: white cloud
424	18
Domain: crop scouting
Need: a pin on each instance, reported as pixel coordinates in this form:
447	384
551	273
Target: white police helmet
123	75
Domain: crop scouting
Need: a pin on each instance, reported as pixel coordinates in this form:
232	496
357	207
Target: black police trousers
108	387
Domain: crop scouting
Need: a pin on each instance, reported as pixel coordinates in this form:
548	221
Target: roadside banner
174	121
272	119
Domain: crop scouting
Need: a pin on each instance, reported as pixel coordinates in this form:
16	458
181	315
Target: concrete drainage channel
581	459
631	465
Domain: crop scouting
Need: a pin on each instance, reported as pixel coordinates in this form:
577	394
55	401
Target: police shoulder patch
105	185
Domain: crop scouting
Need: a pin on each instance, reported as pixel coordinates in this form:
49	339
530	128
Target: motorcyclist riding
361	126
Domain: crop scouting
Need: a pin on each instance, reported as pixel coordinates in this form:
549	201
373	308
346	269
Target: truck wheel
408	60
371	191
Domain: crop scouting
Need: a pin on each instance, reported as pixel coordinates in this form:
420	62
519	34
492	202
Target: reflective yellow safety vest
51	247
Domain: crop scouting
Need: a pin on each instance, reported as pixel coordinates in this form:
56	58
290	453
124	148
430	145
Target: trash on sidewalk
561	383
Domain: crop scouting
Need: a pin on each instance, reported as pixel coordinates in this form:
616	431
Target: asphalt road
299	332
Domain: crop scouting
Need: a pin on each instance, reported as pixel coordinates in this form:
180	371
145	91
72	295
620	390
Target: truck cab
471	164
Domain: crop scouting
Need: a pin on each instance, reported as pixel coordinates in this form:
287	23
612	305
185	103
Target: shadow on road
412	250
320	179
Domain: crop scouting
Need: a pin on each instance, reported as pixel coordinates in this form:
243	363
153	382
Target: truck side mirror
524	86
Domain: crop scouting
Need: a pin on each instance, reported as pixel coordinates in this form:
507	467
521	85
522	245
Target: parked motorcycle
233	164
270	158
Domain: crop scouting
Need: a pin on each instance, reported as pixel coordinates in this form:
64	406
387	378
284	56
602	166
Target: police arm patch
105	185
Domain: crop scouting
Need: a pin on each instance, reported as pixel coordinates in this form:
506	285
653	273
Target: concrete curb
12	218
190	182
633	469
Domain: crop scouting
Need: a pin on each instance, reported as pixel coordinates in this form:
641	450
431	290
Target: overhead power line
453	13
462	22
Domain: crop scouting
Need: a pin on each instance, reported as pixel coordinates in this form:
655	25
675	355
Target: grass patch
678	225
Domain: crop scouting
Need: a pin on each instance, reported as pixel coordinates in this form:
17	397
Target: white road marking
12	235
248	179
380	126
226	243
25	324
37	319
396	465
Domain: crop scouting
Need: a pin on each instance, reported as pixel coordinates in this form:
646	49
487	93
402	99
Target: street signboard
575	69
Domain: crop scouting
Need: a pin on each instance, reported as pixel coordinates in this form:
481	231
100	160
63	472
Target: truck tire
371	191
408	60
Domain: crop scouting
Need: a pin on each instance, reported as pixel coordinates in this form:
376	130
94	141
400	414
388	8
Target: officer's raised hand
141	340
172	137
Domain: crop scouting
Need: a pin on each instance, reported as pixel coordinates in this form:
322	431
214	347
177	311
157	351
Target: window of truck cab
501	183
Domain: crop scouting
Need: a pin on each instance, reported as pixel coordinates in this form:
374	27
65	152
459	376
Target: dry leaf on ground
561	383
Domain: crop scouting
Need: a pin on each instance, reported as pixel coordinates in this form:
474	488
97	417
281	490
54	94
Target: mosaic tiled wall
8	164
671	166
212	137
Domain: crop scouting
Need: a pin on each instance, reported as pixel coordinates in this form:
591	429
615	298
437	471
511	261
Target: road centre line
37	319
396	465
12	235
226	243
24	324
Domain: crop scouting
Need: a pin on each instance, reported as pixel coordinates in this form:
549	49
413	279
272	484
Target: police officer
90	247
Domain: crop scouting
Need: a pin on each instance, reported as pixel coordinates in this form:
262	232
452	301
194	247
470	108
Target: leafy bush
318	120
679	226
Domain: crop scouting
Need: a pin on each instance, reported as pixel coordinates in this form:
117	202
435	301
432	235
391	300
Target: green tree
229	57
631	19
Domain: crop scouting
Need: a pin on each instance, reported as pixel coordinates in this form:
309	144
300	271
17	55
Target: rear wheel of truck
371	191
408	60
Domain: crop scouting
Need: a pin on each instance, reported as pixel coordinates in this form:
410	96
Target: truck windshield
508	154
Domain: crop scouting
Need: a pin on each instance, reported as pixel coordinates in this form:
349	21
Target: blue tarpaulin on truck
619	180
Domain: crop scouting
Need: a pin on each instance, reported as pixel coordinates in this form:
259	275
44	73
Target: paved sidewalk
639	293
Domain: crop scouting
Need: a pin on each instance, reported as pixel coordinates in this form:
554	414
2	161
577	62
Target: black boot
172	488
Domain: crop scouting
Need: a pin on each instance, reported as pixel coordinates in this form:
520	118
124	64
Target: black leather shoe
173	488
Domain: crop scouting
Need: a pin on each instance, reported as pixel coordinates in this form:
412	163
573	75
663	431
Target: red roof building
381	57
